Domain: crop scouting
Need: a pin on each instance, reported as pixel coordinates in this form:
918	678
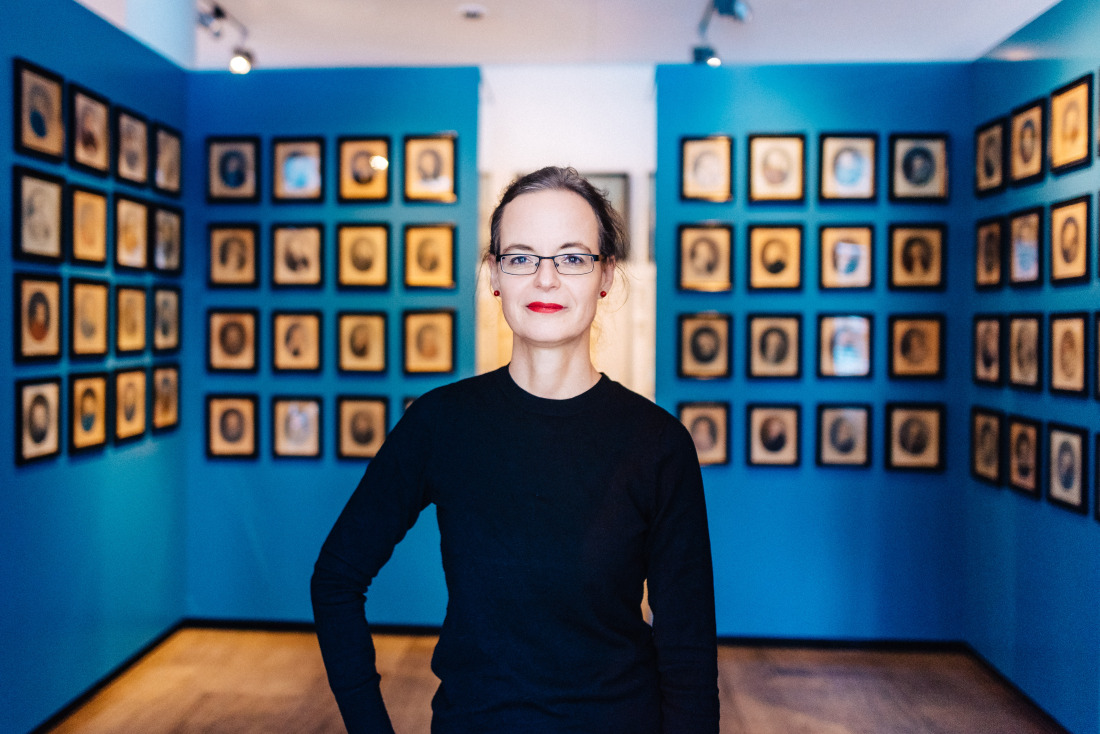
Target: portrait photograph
428	340
1025	232
705	262
705	345
986	427
430	256
848	165
38	305
1027	143
430	168
131	233
166	397
167	160
40	126
918	165
1071	125
775	257
298	166
88	411
1067	467
166	319
708	424
168	240
132	147
915	436
90	142
88	306
989	253
88	226
917	255
231	340
847	257
1023	455
1068	353
39	415
774	348
916	346
989	157
129	401
362	342
232	169
1025	351
38	199
361	425
130	310
706	168
773	434
296	341
1069	241
777	166
843	435
844	345
364	169
987	349
296	426
231	426
233	257
363	258
297	255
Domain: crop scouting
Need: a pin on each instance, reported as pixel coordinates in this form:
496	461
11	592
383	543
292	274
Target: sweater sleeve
681	592
383	507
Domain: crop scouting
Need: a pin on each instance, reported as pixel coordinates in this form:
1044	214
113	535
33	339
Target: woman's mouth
540	307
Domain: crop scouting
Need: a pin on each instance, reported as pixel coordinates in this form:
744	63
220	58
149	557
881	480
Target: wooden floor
234	682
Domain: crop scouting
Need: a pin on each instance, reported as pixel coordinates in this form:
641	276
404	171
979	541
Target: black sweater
551	514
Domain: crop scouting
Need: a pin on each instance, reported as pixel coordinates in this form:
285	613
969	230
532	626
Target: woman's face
548	309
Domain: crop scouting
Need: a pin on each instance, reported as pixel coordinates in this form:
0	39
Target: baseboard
810	643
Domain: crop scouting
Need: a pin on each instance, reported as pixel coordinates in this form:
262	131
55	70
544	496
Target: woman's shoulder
643	412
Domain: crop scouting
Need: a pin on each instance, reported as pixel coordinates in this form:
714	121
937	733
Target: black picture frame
87	213
361	341
232	339
708	422
89	425
706	168
847	167
845	346
129	404
774	346
987	441
38	205
165	402
989	253
430	255
167	306
431	168
987	346
428	341
361	425
38	419
132	227
39	115
297	170
233	255
90	144
844	435
89	318
231	421
1069	349
1067	467
917	346
990	159
363	255
916	436
1025	248
705	261
365	173
773	434
297	255
37	316
167	160
297	426
1023	465
919	167
297	341
1070	247
918	256
131	307
705	345
1071	142
1025	351
166	240
775	255
233	169
1027	150
131	158
847	257
777	167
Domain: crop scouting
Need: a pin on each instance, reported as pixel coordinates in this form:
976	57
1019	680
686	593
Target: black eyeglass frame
551	258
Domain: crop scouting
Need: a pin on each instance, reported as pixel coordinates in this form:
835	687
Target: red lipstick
540	307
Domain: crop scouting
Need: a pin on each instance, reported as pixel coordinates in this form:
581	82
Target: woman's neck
554	373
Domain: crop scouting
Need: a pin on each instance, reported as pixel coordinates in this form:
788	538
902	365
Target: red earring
496	293
603	294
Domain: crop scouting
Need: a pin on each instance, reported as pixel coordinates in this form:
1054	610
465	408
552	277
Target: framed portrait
296	426
131	147
38	412
989	238
917	255
363	258
88	411
36	212
131	233
297	255
915	436
166	397
87	226
90	143
987	349
1023	455
296	341
844	345
166	319
1071	125
708	424
231	426
989	157
774	348
986	429
847	167
231	340
847	256
775	257
232	169
773	434
364	169
361	425
130	310
1025	350
430	168
362	341
777	167
1027	143
1067	468
168	240
298	166
1069	240
616	187
40	118
38	317
705	345
918	166
89	318
130	399
916	346
706	168
430	256
1025	262
167	160
233	258
1068	353
428	339
706	262
843	434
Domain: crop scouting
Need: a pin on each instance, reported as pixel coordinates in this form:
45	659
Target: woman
558	492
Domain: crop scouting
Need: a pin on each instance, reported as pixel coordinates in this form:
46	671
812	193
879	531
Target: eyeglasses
571	263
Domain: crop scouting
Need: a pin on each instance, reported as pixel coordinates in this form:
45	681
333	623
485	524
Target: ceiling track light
214	20
706	55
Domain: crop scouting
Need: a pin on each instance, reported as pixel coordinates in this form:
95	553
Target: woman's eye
517	259
572	259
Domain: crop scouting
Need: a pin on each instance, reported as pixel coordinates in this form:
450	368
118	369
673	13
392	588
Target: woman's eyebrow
527	248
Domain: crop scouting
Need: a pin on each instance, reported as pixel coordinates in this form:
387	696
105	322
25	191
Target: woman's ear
607	276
